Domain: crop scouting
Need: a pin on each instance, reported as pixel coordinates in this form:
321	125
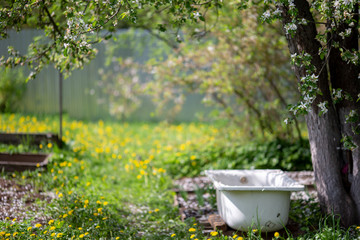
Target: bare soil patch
18	201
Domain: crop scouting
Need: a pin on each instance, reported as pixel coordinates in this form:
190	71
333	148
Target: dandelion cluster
102	163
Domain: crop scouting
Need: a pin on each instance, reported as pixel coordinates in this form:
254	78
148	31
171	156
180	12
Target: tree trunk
337	171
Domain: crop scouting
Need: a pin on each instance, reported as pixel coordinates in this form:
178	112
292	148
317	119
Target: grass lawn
114	180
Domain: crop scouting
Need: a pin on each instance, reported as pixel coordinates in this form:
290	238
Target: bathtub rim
223	187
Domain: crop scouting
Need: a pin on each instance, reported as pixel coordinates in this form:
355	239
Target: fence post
60	106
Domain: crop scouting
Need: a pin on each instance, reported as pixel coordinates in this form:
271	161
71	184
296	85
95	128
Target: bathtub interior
253	180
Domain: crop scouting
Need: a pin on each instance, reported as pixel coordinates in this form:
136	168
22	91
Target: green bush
12	88
275	154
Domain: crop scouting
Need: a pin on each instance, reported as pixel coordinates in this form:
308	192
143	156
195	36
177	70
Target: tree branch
52	21
99	26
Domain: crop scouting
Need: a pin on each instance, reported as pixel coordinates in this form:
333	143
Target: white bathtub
253	199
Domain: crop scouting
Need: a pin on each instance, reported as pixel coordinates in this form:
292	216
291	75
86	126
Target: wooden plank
31	138
22	162
217	223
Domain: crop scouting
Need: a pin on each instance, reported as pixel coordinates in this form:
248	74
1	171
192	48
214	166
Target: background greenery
113	180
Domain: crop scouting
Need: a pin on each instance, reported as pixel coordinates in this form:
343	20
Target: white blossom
70	22
352	113
303	105
314	78
266	15
303	21
277	12
347	2
337	94
291	4
211	48
323	107
196	15
308	99
290	27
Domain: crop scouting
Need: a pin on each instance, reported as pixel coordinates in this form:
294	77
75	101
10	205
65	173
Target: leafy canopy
72	27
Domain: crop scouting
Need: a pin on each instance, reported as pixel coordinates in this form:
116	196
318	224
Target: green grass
114	180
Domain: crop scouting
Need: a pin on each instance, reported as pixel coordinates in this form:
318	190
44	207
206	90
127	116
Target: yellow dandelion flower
64	216
240	238
105	203
214	234
276	234
76	177
173	235
88	184
49	145
59	235
60	195
38	165
63	164
38	225
192	230
52	228
99	210
97	227
53	234
86	233
80	228
138	176
29	228
15	233
86	202
40	146
193	157
156	210
192	236
81	235
45	232
33	235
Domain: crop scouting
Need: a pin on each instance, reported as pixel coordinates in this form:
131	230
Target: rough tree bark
337	171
